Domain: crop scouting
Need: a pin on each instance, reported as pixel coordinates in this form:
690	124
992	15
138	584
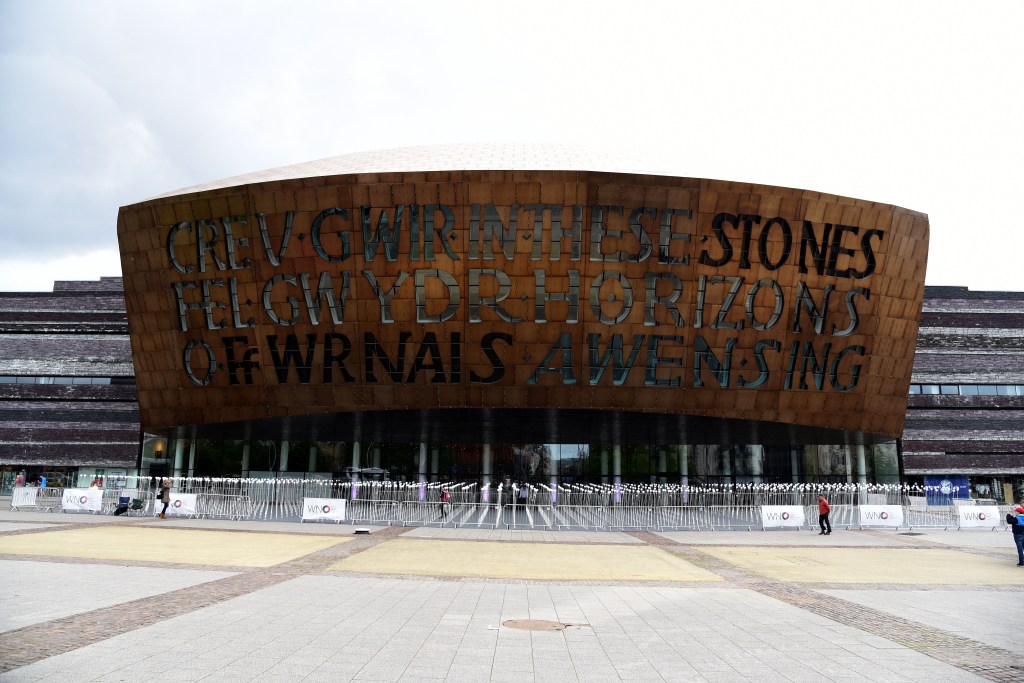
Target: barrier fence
609	507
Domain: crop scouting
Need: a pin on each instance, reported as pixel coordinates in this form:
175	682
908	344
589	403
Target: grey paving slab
57	517
993	617
969	538
35	592
299	621
23	526
630	633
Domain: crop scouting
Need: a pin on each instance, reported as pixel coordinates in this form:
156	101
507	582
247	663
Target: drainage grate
540	625
910	533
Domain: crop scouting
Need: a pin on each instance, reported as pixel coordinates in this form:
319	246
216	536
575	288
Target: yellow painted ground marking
524	561
184	546
872	565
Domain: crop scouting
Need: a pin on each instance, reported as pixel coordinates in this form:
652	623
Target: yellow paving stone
183	546
872	565
524	560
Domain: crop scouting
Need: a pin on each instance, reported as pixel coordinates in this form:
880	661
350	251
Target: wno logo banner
881	515
181	505
89	500
315	509
773	516
986	516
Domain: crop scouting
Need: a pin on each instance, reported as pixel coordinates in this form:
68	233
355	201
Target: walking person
445	497
165	496
823	511
19	480
1016	521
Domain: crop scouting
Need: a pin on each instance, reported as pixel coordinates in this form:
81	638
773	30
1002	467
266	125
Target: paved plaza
99	598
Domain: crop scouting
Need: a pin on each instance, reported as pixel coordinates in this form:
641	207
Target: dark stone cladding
967	338
78	330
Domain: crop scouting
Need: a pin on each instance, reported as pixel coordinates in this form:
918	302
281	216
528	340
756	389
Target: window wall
550	464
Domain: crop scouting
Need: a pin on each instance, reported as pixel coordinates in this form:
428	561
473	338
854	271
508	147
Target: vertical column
355	470
604	464
862	466
434	474
617	470
192	454
756	463
375	459
553	463
794	463
726	453
423	470
662	465
246	447
179	455
684	470
312	458
284	455
486	466
849	465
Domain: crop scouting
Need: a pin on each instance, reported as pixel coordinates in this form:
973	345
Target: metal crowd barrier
606	507
930	517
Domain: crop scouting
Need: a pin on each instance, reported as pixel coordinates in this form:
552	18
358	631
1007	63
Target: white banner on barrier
323	508
24	497
978	516
782	516
881	515
181	505
90	500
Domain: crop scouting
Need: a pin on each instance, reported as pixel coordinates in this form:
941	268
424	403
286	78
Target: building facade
965	410
69	408
513	313
965	414
67	383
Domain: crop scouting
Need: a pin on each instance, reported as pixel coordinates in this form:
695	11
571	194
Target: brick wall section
967	338
78	330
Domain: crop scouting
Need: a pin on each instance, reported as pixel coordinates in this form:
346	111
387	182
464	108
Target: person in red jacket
445	504
823	509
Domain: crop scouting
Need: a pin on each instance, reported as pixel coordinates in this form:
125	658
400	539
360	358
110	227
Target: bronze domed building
495	312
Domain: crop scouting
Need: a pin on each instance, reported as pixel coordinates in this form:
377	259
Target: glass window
929	388
1005	390
8	380
572	462
62	380
26	380
886	463
915	389
987	390
969	390
949	390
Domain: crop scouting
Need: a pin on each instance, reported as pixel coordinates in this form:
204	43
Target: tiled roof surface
455	157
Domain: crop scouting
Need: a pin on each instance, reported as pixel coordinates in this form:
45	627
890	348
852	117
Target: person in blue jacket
1015	520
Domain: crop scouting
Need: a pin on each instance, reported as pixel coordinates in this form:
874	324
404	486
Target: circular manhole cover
539	625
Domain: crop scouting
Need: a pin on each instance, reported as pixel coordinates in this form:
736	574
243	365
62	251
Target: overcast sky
917	104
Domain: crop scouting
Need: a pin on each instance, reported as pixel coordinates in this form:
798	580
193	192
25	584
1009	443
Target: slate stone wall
78	330
967	338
